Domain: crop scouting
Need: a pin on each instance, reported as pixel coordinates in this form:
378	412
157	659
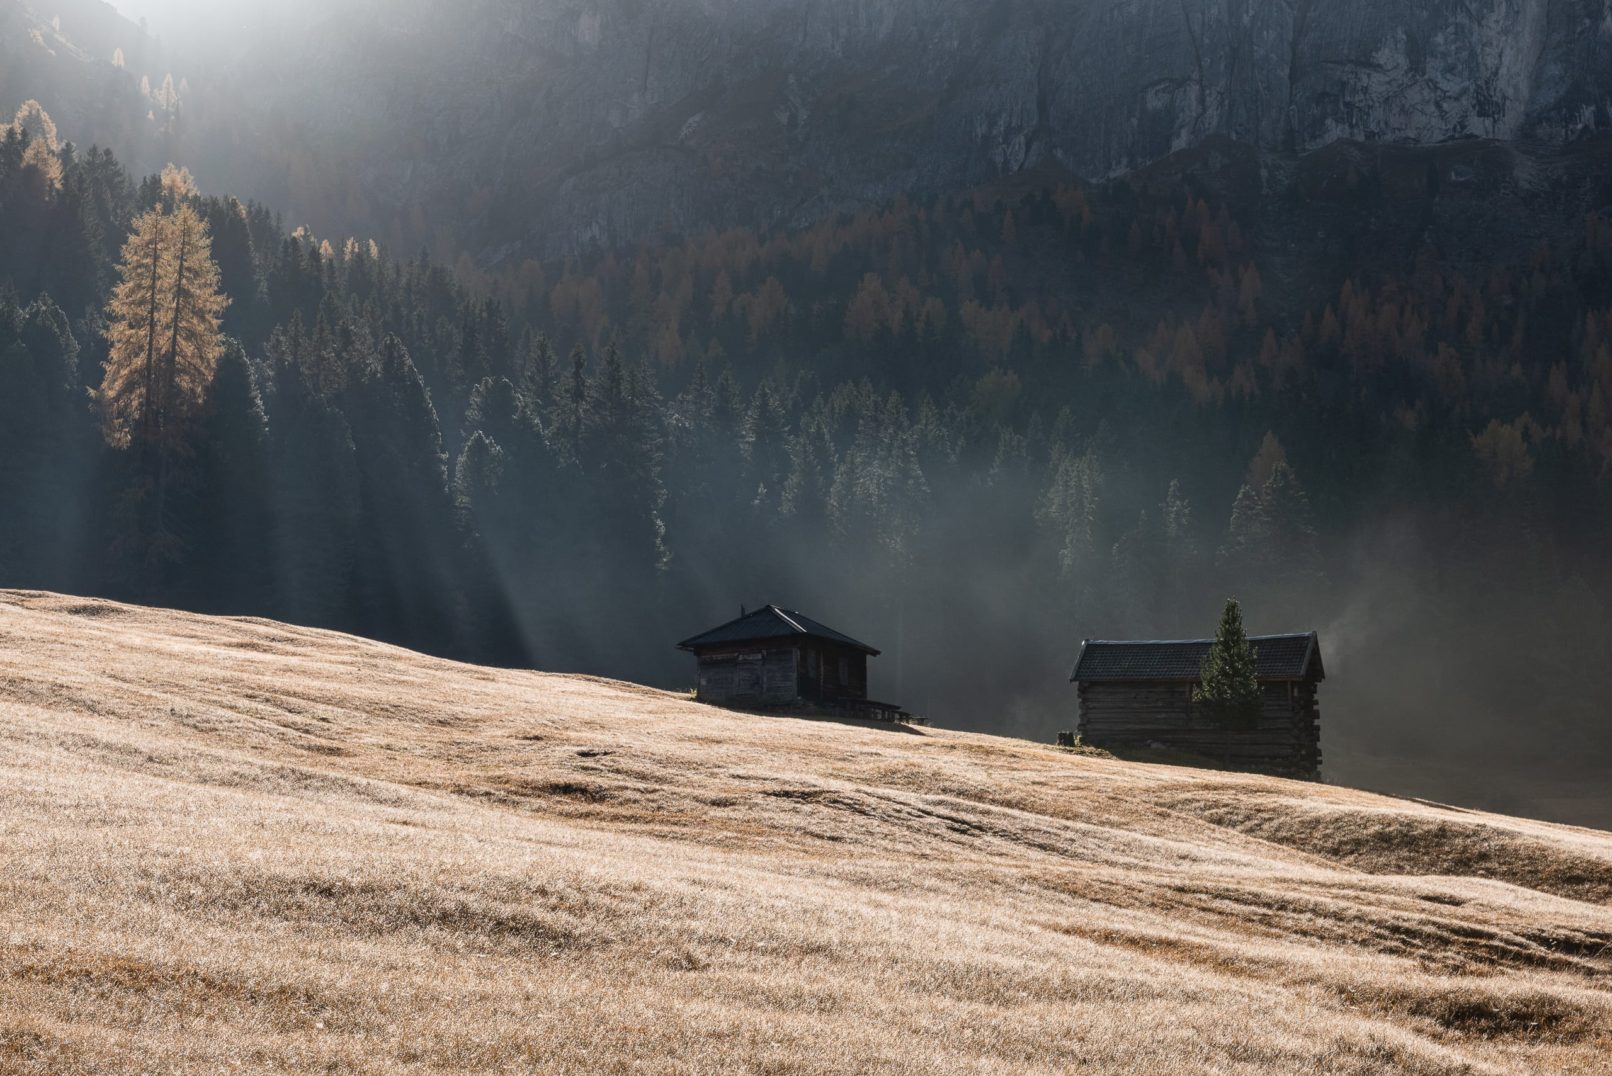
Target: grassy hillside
237	843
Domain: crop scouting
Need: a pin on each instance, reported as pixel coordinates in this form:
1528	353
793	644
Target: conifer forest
979	426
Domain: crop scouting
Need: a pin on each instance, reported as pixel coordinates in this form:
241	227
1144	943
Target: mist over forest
972	419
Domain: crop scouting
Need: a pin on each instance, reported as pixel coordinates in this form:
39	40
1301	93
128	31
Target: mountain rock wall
557	124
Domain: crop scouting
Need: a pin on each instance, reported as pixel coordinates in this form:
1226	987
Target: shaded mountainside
238	842
505	127
587	122
65	54
573	123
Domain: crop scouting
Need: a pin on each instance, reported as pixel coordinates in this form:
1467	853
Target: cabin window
845	669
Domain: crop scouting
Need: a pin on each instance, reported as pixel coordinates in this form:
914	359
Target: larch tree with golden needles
163	332
44	146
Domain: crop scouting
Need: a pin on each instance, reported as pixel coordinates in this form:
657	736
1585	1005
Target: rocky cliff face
597	120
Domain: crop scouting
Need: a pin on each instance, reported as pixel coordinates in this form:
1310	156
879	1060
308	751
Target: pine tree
40	150
622	458
167	101
46	433
571	416
164	343
470	361
1069	510
1294	557
478	480
727	409
231	508
539	376
503	510
1228	688
315	486
1181	568
404	582
1176	515
805	493
514	467
69	267
129	393
231	233
323	368
163	329
765	440
1247	535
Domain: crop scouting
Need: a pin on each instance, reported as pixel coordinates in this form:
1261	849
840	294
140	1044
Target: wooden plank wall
760	677
1286	742
858	687
820	677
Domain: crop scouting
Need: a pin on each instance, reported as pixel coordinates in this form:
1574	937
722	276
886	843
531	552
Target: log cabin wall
826	673
1286	742
749	676
809	671
776	657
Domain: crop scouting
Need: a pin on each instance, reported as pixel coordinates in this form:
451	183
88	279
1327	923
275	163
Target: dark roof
1279	657
771	622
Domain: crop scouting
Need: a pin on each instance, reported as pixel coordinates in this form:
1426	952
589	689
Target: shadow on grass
827	717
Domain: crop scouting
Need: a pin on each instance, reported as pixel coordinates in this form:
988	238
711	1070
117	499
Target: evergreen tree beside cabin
1153	694
1228	688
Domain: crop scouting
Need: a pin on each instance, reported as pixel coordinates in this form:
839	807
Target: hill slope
237	842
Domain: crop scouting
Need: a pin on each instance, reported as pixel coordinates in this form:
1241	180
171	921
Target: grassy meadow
235	845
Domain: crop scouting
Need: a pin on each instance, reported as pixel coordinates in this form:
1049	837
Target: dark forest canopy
973	430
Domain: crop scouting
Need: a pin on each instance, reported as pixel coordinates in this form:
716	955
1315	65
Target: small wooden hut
777	657
1138	694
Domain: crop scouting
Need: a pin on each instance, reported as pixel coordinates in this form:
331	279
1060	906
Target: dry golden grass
233	844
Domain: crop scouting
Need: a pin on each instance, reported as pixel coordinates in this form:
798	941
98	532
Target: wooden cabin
778	657
1139	695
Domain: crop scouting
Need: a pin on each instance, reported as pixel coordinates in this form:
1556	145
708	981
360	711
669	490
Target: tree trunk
148	405
169	384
